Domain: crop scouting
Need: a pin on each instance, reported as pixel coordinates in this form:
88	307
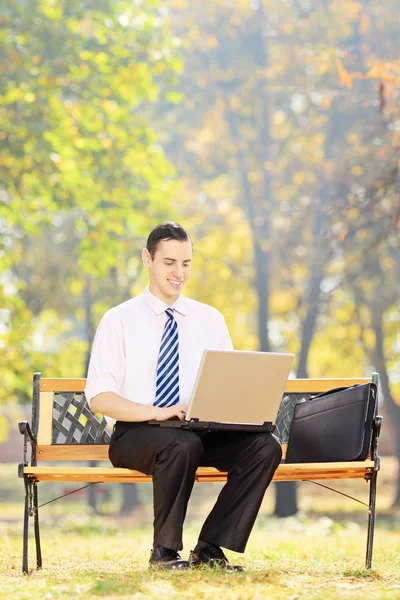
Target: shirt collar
159	306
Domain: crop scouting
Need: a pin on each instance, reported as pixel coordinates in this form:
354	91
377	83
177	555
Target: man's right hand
121	409
163	414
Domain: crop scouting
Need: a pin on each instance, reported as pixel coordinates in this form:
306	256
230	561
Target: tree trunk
314	290
285	499
130	499
261	257
92	492
393	409
286	496
88	320
261	226
262	289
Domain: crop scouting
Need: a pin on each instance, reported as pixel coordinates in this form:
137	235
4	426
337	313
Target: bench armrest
26	431
376	429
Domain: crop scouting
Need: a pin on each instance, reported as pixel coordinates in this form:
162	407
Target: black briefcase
334	426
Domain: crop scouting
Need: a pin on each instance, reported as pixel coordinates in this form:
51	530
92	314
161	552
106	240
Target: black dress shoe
212	556
165	558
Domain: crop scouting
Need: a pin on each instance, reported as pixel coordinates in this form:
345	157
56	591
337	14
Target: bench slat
82	452
336	470
72	452
313	386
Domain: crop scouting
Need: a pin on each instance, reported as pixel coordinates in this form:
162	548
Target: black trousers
172	456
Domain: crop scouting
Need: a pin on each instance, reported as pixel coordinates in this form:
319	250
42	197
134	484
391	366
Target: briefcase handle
339	389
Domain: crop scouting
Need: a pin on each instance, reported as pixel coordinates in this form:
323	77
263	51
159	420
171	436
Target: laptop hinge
266	426
269	426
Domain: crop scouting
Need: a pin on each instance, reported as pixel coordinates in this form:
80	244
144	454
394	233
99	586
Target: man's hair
163	233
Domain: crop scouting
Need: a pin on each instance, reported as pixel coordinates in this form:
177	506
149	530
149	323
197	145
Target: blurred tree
82	175
276	96
284	133
374	279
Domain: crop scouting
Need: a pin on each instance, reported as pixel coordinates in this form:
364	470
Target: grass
93	557
317	554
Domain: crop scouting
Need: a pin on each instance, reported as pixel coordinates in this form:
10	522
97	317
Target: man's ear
146	258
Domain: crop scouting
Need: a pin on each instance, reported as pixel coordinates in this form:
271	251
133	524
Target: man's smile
175	283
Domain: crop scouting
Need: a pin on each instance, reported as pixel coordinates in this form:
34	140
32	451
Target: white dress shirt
127	342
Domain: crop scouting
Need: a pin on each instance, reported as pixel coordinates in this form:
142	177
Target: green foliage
74	137
83	177
284	143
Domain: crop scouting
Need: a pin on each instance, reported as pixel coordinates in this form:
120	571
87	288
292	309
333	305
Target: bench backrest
66	429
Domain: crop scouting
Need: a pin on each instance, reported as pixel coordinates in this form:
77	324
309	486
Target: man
144	363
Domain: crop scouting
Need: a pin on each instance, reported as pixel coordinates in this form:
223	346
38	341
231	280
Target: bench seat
292	472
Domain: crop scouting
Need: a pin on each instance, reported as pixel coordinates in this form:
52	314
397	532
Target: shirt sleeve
224	339
107	360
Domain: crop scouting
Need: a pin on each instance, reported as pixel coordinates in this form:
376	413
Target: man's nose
178	272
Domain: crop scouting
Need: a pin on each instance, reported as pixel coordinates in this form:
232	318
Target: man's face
170	268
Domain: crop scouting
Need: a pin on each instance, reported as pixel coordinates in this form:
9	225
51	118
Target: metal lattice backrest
74	423
285	414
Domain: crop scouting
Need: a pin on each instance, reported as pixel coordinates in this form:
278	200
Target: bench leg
371	519
26	528
36	523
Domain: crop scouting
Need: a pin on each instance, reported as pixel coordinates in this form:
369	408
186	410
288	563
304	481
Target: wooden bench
64	429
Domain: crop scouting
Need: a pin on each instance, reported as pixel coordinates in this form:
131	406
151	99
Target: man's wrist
154	412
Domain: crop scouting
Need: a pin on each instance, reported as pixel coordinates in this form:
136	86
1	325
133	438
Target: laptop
236	390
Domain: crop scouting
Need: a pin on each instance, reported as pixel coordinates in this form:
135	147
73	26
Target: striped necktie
167	383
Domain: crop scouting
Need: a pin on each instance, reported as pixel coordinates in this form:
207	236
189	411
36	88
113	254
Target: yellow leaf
234	102
4	428
253	176
323	68
352	9
364	24
375	72
357	170
344	75
299	178
76	287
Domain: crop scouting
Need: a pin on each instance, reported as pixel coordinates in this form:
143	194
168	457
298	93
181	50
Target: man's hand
163	414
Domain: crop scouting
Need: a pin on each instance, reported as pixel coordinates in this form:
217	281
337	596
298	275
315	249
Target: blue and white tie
167	382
